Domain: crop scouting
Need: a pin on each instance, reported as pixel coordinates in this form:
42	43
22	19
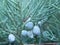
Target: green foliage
14	13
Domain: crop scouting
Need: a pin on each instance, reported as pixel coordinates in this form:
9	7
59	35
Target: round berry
24	33
11	38
29	25
36	30
30	34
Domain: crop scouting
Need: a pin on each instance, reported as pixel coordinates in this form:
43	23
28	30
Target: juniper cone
29	25
11	38
24	33
13	13
30	34
36	30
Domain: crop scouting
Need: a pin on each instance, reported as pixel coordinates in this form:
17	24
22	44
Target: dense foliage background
14	13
